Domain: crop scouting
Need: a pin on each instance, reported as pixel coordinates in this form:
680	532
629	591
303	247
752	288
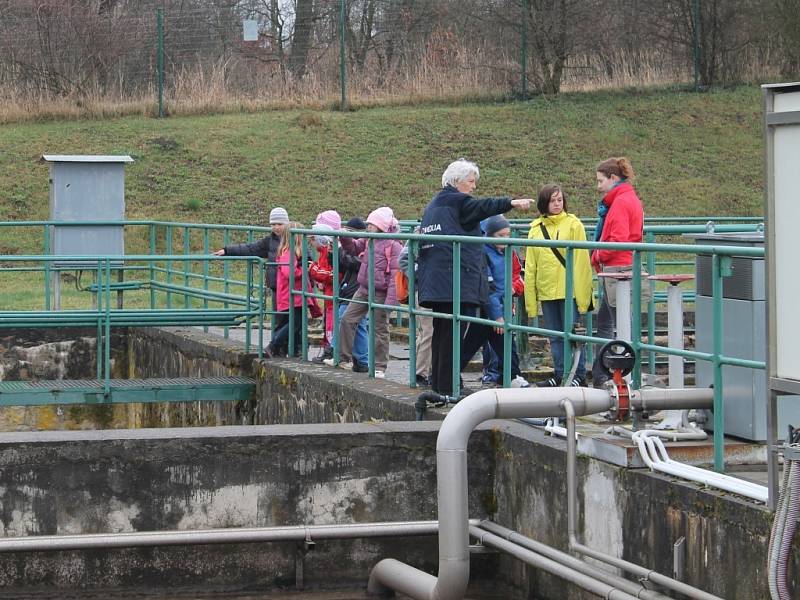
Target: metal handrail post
412	313
107	346
261	301
456	362
206	250
336	301
651	306
151	264
371	309
248	320
305	281
292	266
226	237
508	306
569	314
99	334
186	252
168	264
719	415
47	268
636	322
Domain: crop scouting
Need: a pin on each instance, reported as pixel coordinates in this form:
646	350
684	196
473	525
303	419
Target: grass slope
695	154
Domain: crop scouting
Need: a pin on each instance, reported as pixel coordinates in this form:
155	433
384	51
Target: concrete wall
630	513
94	482
633	513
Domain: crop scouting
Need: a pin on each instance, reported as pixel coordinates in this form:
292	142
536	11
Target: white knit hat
278	215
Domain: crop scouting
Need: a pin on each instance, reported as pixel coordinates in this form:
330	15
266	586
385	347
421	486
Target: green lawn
694	154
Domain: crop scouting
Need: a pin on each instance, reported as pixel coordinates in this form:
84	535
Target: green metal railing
169	276
196	310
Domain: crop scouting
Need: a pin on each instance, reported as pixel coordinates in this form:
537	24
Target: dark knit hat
356	223
495	224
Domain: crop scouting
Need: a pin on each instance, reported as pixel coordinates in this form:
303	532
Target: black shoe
423	381
552	382
431	397
578	382
359	367
326	353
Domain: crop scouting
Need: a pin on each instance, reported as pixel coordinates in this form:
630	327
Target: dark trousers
476	336
442	347
280	341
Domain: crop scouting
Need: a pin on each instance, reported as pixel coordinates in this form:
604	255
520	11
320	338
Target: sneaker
380	374
342	365
327	353
520	382
423	381
346	365
359	367
577	382
329	362
552	382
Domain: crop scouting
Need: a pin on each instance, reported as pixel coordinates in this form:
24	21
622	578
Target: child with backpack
386	253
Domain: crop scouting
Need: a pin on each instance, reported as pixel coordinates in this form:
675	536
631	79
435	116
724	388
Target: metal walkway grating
121	391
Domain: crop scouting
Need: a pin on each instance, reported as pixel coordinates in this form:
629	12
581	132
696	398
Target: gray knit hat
495	224
278	215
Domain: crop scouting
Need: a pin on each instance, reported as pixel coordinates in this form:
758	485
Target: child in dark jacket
476	335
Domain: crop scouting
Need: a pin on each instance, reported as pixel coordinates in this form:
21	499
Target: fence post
523	59
160	60
342	67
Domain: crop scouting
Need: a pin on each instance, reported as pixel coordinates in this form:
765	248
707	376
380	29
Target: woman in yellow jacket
545	275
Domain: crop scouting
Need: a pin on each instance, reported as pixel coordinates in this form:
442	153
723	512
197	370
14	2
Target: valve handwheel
617	355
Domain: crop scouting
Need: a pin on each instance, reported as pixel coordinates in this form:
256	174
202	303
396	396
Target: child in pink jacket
280	338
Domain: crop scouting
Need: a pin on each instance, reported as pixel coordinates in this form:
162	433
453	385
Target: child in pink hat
387	251
330	218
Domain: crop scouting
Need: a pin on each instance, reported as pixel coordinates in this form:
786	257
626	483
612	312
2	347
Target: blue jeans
553	313
360	343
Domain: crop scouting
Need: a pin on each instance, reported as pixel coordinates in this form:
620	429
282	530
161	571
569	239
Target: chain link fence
212	54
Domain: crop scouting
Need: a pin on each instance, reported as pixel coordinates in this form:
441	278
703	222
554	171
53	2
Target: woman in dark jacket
453	211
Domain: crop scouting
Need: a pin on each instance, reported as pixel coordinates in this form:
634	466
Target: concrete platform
743	459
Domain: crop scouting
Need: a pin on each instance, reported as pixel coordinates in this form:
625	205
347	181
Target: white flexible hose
776	534
793	509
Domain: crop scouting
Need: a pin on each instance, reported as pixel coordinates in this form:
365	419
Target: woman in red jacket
621	220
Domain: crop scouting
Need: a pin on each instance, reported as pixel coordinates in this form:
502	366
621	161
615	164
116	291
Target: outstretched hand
522	203
220	252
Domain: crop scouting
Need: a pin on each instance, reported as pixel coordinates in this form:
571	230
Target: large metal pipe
655	399
451	469
218	536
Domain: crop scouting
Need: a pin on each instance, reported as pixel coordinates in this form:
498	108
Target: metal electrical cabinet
87	188
743	336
